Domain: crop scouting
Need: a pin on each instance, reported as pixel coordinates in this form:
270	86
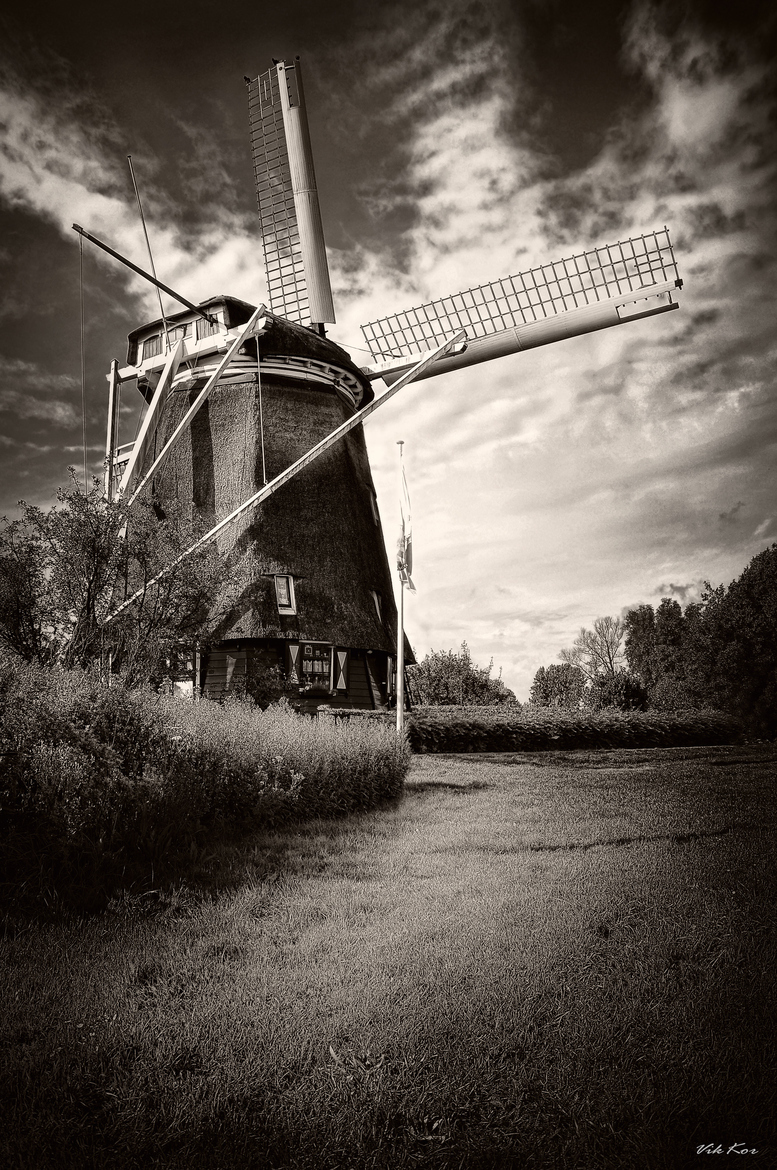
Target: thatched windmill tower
314	591
237	394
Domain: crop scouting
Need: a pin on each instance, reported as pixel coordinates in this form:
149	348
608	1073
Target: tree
640	644
670	627
447	678
621	689
655	652
730	646
720	652
558	686
64	574
598	652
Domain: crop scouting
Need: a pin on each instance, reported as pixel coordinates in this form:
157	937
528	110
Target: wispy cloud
64	161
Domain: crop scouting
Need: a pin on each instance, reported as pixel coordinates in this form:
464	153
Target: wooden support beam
146	276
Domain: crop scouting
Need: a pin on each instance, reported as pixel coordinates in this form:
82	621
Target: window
316	665
152	346
376	597
310	664
284	594
374	506
206	328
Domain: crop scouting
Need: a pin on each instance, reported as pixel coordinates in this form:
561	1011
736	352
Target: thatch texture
320	528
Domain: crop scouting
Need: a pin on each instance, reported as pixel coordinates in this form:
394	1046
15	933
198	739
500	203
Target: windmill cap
281	338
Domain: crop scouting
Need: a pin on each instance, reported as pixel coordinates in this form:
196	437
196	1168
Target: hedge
430	731
514	729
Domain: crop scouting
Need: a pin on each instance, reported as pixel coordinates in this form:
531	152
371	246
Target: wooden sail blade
569	297
247	330
292	233
149	422
265	492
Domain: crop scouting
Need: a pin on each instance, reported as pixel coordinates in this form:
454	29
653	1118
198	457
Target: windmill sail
292	233
593	290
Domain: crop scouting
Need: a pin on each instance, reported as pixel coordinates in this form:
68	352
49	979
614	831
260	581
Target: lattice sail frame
590	278
283	261
292	232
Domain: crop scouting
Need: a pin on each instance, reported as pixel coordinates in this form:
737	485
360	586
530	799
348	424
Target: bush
450	678
104	785
621	690
558	686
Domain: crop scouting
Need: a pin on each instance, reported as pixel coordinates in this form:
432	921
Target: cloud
732	516
60	160
683	593
24	445
584	468
24	387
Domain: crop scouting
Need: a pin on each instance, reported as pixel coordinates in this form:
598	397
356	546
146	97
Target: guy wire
148	246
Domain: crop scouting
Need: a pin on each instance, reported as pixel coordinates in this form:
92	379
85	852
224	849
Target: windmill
254	416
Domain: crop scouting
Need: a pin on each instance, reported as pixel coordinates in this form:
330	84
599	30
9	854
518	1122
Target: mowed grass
558	960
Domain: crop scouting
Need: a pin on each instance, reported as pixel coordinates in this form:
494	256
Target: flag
405	542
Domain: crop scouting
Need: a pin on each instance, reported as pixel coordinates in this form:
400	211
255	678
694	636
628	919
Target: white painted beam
645	302
168	373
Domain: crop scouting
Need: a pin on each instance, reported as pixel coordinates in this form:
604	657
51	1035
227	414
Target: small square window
284	593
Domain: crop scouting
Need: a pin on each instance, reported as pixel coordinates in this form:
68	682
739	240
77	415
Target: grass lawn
550	960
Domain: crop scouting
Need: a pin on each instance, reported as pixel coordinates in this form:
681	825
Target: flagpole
401	661
401	630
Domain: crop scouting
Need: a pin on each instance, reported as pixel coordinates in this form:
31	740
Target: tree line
719	653
65	573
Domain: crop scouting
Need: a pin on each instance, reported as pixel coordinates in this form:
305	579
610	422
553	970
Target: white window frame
285	610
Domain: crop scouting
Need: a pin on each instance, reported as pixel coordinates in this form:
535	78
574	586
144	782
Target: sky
454	143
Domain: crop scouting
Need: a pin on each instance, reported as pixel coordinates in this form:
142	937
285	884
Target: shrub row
505	713
120	780
532	729
567	731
